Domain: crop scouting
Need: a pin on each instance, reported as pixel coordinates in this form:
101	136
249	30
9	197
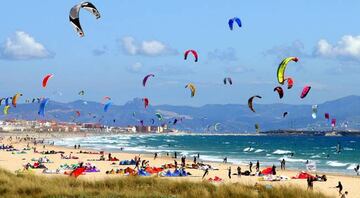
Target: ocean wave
336	164
281	152
259	150
315	156
351	166
248	149
348	149
292	159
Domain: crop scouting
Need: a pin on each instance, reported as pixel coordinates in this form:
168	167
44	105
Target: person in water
340	187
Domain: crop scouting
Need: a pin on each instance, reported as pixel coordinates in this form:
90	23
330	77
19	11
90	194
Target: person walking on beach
340	187
175	155
310	183
257	166
155	155
250	166
175	163
194	159
198	155
75	146
225	160
239	171
205	173
78	146
229	172
273	169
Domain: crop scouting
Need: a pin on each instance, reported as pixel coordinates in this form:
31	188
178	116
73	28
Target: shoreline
14	162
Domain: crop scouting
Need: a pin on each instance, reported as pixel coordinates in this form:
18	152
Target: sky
134	38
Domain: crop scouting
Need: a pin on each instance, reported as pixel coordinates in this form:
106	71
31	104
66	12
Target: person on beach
78	146
357	169
273	169
239	171
229	172
205	173
194	159
310	183
250	166
75	146
109	156
340	187
155	155
198	155
175	155
225	160
257	166
283	164
344	195
183	161
176	164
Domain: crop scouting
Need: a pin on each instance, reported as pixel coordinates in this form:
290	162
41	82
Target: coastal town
42	126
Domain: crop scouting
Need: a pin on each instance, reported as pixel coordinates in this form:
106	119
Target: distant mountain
232	117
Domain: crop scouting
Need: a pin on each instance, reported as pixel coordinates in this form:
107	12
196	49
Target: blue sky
134	38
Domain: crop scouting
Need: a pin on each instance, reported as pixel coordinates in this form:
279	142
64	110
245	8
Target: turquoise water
239	149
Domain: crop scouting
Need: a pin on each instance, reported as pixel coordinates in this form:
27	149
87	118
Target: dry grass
12	185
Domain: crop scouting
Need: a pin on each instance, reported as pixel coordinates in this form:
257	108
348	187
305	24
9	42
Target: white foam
292	159
336	164
351	166
248	149
259	150
281	152
315	156
348	149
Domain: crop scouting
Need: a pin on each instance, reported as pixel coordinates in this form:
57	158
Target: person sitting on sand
340	186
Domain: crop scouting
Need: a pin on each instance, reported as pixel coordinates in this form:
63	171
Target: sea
239	149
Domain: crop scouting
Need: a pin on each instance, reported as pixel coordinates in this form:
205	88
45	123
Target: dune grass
12	185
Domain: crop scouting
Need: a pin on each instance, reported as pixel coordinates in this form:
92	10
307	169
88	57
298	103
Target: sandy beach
15	160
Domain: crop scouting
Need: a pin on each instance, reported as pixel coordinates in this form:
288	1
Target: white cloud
135	68
21	46
228	54
147	48
238	69
347	48
296	48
